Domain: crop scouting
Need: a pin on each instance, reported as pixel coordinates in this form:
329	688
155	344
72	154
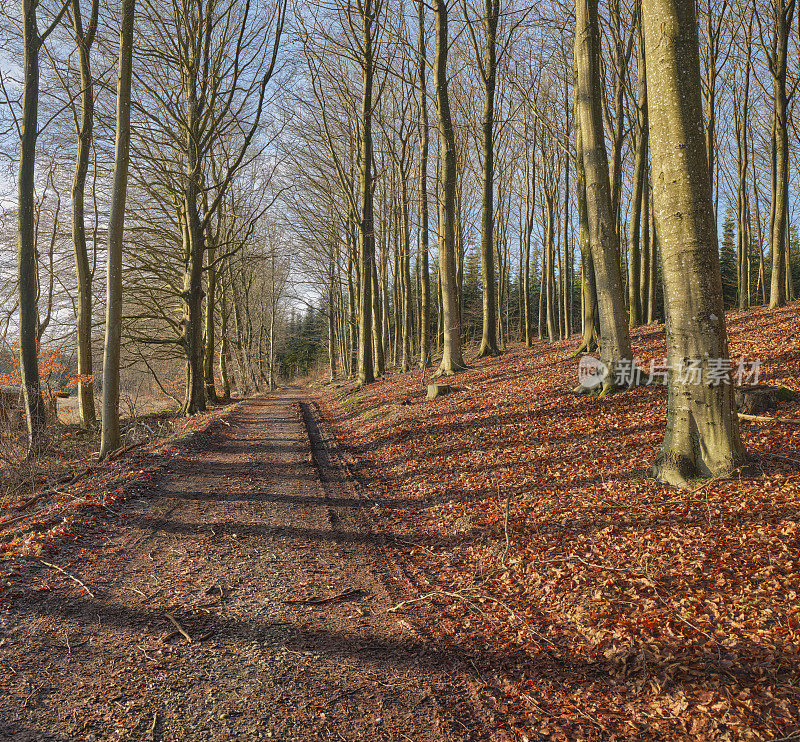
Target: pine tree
727	259
794	258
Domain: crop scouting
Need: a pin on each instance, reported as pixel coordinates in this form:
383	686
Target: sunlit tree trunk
487	65
778	62
209	334
639	178
110	434
222	363
702	436
424	278
741	111
590	321
83	40
452	360
28	270
603	237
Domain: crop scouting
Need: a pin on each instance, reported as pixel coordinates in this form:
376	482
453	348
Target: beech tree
28	129
452	360
603	237
110	433
84	39
702	436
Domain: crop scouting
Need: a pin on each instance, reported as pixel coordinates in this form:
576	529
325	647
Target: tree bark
702	435
424	278
452	360
603	236
591	320
222	363
639	177
110	434
366	374
209	341
778	62
36	415
83	40
487	64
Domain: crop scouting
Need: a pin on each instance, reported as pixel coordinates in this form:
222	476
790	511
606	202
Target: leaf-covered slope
623	608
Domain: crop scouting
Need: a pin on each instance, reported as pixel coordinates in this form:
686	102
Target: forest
496	270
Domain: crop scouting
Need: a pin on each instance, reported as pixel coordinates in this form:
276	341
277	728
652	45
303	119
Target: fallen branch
765	419
322	601
505	527
152	731
471	601
66	483
777	456
180	628
71	577
11	521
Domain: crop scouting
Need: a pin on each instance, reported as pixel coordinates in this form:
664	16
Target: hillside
611	607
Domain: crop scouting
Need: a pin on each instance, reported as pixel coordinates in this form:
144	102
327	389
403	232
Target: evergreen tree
794	258
727	259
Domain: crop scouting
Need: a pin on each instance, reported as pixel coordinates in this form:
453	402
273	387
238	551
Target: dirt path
236	529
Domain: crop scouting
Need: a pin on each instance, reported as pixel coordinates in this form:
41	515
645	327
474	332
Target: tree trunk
639	177
488	345
780	178
530	206
210	326
741	109
366	373
194	256
223	343
28	269
603	237
591	320
331	321
646	248
452	360
86	408
702	436
110	435
424	278
549	270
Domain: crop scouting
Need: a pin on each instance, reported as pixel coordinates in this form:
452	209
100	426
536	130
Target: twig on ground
607	567
505	526
322	601
180	628
777	456
533	703
588	718
765	419
32	501
152	731
64	482
144	652
470	600
788	738
11	521
428	596
71	577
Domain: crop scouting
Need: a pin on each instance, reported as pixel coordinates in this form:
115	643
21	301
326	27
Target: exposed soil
278	577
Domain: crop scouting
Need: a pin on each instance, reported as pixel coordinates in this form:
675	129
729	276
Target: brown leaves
675	614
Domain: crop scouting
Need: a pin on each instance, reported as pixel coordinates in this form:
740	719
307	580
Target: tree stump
437	390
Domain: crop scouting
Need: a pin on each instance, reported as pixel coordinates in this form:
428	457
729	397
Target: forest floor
603	605
234	591
344	564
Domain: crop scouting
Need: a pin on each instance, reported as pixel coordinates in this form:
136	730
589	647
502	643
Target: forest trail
235	533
